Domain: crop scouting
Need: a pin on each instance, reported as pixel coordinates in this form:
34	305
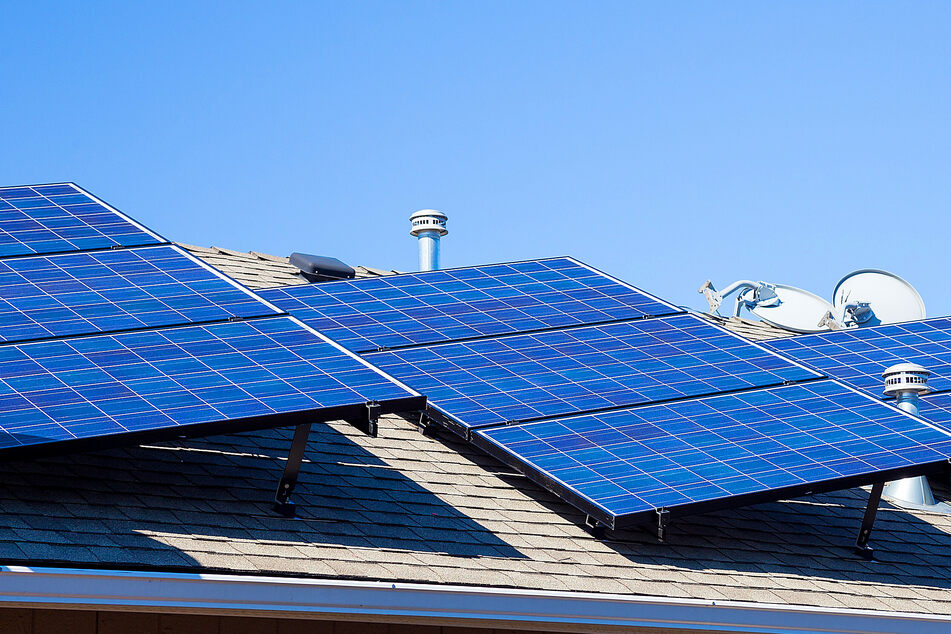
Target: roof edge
67	588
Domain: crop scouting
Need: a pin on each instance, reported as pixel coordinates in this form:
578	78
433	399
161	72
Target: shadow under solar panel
63	217
696	455
451	304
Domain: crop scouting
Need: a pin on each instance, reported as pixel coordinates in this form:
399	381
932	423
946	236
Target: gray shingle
410	508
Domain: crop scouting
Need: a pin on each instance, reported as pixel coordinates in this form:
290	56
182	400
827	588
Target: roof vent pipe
428	225
906	382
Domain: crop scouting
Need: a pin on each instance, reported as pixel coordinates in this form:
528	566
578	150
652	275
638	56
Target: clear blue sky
666	145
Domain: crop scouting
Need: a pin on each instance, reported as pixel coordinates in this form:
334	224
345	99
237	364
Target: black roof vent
320	268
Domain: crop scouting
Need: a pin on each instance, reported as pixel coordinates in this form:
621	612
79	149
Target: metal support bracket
663	517
596	528
282	502
426	426
862	548
368	425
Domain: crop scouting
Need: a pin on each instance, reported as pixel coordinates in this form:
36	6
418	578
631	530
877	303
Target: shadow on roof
811	536
154	506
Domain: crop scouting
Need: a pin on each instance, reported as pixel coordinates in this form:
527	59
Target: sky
664	143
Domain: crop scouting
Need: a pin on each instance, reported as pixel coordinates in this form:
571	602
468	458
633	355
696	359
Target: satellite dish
796	310
869	297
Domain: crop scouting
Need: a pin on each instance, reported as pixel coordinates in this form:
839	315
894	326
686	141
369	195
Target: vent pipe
906	382
428	226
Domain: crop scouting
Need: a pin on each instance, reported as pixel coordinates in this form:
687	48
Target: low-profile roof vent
321	268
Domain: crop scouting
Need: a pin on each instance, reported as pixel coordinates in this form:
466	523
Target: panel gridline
699	450
82	293
56	218
858	356
936	408
519	377
436	306
109	384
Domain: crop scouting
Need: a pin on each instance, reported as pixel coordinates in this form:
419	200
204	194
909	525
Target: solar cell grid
519	377
936	408
58	218
858	356
689	452
436	306
101	385
81	293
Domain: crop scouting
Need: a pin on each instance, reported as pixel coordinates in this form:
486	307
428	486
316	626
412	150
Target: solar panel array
99	338
858	356
519	377
633	461
85	387
419	308
82	293
56	218
615	400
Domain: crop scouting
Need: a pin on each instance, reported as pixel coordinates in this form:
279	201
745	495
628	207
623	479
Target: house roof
260	270
406	507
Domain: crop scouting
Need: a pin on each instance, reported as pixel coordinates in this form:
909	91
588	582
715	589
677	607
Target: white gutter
22	586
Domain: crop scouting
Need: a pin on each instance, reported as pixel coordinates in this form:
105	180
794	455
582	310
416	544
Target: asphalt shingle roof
260	270
407	507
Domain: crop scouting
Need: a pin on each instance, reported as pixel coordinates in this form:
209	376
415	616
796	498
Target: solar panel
60	218
422	308
699	454
106	291
936	408
519	377
265	372
858	356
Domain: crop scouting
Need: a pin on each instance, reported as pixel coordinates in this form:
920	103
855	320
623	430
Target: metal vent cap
428	220
906	377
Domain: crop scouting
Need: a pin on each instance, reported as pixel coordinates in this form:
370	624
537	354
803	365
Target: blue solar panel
103	385
400	310
519	377
58	218
936	408
104	291
858	356
700	450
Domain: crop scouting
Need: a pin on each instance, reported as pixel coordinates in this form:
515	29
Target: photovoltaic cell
57	218
858	356
102	385
419	308
936	408
519	377
104	291
701	450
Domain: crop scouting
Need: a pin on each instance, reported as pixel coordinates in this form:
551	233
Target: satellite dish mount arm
753	294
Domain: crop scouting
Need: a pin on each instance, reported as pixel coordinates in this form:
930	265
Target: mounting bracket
282	502
862	548
368	425
595	527
663	517
426	426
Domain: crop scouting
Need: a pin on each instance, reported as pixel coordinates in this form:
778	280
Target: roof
410	508
406	507
753	330
260	270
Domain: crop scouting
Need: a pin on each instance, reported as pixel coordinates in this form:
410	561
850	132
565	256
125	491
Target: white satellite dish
796	310
869	297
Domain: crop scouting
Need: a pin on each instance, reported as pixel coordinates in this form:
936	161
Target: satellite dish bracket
752	294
